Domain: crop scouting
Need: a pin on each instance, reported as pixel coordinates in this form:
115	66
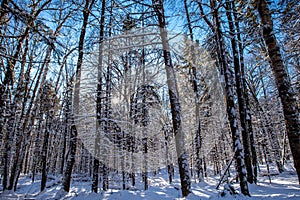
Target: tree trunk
22	130
71	157
44	154
286	93
247	103
67	113
270	133
170	168
174	101
49	106
73	137
240	89
198	136
98	102
231	111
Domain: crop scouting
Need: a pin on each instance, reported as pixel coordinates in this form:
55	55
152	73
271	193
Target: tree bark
73	137
247	103
286	93
22	131
99	102
240	90
231	111
198	136
44	153
174	101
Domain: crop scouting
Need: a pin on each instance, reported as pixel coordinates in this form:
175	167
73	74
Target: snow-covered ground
282	187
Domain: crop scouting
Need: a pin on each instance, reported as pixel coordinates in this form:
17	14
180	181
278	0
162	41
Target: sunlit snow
283	186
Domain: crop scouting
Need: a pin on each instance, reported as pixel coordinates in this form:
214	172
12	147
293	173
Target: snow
283	186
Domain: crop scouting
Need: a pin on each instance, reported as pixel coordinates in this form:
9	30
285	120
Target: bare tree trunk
286	93
73	137
71	157
198	136
231	111
4	96
99	102
183	165
67	113
22	129
7	141
44	154
167	133
49	107
144	123
247	102
240	89
270	133
145	159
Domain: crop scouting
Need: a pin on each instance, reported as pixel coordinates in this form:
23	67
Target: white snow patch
284	186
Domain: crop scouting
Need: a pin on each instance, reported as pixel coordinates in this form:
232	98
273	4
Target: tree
195	82
11	106
283	83
48	97
143	99
226	72
99	101
174	101
241	92
73	135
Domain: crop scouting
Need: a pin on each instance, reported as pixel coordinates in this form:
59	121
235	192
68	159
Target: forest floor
282	187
